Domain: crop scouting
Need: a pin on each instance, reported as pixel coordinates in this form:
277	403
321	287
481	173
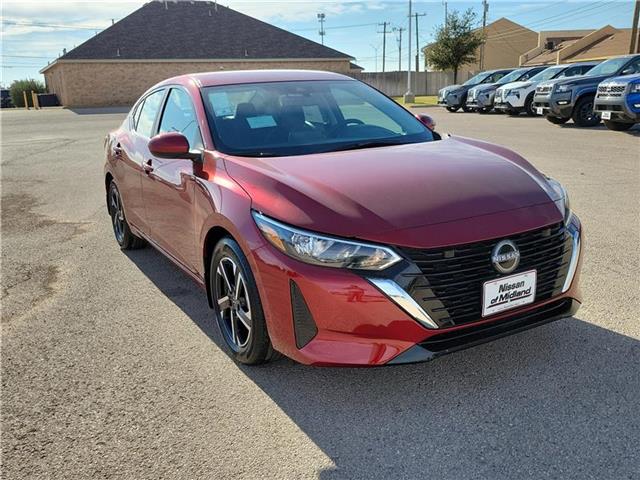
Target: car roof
210	79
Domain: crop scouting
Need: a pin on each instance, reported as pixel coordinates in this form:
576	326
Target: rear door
169	184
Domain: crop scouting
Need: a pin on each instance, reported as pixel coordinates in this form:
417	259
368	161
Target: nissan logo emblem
505	256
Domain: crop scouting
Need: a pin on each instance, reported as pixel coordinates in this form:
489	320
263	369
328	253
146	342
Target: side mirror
172	145
426	120
628	71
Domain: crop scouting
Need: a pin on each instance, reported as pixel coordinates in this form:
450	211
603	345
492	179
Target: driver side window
180	116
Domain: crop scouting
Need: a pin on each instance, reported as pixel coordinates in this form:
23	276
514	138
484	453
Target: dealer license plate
540	110
508	292
606	115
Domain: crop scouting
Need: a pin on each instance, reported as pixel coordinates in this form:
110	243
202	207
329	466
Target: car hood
514	85
361	193
455	88
486	87
622	80
582	80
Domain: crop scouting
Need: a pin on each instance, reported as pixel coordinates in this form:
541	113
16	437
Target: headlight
515	93
319	249
563	203
564	88
635	88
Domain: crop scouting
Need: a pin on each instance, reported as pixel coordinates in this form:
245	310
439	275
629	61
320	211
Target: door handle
148	167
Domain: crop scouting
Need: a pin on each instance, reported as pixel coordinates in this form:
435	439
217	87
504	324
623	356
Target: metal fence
394	84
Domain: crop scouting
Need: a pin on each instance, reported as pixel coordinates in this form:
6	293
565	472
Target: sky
36	32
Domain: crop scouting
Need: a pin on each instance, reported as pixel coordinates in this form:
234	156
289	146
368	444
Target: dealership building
167	38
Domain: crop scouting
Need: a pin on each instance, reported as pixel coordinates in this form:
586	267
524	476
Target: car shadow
99	110
559	401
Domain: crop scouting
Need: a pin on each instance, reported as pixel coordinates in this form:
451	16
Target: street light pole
409	97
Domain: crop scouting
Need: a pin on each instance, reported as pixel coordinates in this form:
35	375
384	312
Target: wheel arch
213	236
108	178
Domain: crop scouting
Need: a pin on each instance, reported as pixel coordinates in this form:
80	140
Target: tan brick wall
85	84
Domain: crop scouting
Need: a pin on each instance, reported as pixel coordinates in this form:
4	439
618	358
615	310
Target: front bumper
557	105
620	109
356	323
482	100
453	100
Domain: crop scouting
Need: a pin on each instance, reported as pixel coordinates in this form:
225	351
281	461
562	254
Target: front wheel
617	126
125	238
583	114
529	108
556	120
452	109
237	305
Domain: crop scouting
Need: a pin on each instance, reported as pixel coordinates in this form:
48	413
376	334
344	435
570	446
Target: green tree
27	85
456	43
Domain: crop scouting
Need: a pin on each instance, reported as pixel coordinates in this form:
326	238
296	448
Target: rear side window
180	116
148	113
136	115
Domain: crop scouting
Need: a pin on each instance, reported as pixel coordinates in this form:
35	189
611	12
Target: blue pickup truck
618	102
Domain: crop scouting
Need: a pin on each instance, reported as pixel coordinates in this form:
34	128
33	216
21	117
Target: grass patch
420	101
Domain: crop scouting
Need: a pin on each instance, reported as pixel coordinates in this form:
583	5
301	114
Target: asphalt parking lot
111	365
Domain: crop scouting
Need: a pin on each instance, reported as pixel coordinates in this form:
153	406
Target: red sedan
329	224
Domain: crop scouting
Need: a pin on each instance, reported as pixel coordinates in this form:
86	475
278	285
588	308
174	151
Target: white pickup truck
517	97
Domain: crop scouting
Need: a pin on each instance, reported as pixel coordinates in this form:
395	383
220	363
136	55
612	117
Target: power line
550	20
50	25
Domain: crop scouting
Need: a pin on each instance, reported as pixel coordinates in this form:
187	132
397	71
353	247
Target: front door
169	184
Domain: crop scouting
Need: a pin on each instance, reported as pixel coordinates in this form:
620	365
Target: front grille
449	285
610	91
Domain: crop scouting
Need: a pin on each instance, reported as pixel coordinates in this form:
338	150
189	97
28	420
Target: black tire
513	113
466	109
583	114
121	230
252	345
556	120
618	126
452	109
529	109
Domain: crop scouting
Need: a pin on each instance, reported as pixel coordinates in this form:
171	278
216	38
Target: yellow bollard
34	98
26	104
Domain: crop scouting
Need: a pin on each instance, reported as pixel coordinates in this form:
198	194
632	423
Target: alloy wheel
234	307
117	214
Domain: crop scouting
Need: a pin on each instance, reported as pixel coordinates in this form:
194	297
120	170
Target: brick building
167	38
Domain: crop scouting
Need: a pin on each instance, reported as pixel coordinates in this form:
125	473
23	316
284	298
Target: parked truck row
585	92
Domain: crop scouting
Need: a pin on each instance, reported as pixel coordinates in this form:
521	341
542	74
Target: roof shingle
162	30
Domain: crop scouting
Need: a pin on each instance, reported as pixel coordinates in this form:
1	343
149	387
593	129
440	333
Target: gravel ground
111	365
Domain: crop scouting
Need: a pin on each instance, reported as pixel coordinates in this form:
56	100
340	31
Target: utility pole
445	13
384	43
375	49
399	30
409	97
485	10
417	15
634	47
322	32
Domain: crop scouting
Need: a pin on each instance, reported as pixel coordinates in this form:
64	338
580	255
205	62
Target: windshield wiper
360	145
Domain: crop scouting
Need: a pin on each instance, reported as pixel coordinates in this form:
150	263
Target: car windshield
608	67
547	74
303	117
513	76
477	78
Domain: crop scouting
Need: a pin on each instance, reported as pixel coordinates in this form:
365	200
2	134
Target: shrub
28	85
